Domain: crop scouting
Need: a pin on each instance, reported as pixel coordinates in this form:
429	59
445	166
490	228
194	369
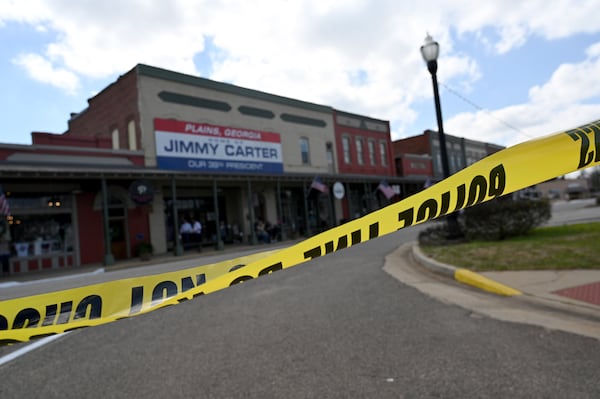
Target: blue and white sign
210	148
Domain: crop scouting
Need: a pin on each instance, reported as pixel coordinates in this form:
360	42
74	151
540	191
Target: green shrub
144	248
504	217
437	234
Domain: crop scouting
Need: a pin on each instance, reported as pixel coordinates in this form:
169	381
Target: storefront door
117	224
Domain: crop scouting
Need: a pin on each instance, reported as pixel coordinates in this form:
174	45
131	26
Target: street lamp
430	51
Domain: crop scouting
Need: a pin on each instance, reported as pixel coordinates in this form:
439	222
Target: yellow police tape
507	171
36	316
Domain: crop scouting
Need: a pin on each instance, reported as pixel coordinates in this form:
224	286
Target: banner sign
502	173
211	148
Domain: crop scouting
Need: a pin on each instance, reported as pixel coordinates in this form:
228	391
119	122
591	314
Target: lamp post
430	51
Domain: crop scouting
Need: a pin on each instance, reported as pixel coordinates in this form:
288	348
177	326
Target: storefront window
200	209
35	235
41	232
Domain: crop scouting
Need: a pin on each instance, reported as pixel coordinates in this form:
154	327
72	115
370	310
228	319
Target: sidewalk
576	291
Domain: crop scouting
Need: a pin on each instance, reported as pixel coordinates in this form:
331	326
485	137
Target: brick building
461	152
157	147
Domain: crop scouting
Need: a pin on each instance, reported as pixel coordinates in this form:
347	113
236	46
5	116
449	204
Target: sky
509	70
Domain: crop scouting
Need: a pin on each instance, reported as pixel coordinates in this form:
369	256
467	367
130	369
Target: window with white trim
304	151
383	153
346	148
115	139
371	146
359	151
131	135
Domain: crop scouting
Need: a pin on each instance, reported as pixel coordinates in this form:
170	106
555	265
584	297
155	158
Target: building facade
564	189
416	171
364	148
157	148
461	152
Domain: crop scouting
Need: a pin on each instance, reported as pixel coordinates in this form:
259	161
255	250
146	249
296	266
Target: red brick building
54	190
364	148
461	152
113	116
412	165
136	162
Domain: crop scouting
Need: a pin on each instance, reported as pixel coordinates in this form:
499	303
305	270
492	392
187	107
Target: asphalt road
336	327
89	275
575	211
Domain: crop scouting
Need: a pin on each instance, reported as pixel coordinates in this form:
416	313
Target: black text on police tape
582	134
478	189
90	307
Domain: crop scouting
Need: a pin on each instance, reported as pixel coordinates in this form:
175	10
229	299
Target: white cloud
24	12
593	51
511	36
515	20
313	50
42	70
515	124
570	98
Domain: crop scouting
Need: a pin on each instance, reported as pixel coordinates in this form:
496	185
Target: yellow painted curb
477	280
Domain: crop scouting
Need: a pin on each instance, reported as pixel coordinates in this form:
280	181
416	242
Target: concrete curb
463	275
543	302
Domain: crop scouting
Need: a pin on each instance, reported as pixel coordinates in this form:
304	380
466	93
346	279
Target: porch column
219	244
332	215
280	211
178	249
307	230
109	259
252	236
367	196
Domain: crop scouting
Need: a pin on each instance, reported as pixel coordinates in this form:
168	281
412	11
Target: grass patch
546	248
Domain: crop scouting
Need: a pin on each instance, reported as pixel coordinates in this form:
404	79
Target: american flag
4	207
318	185
385	188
